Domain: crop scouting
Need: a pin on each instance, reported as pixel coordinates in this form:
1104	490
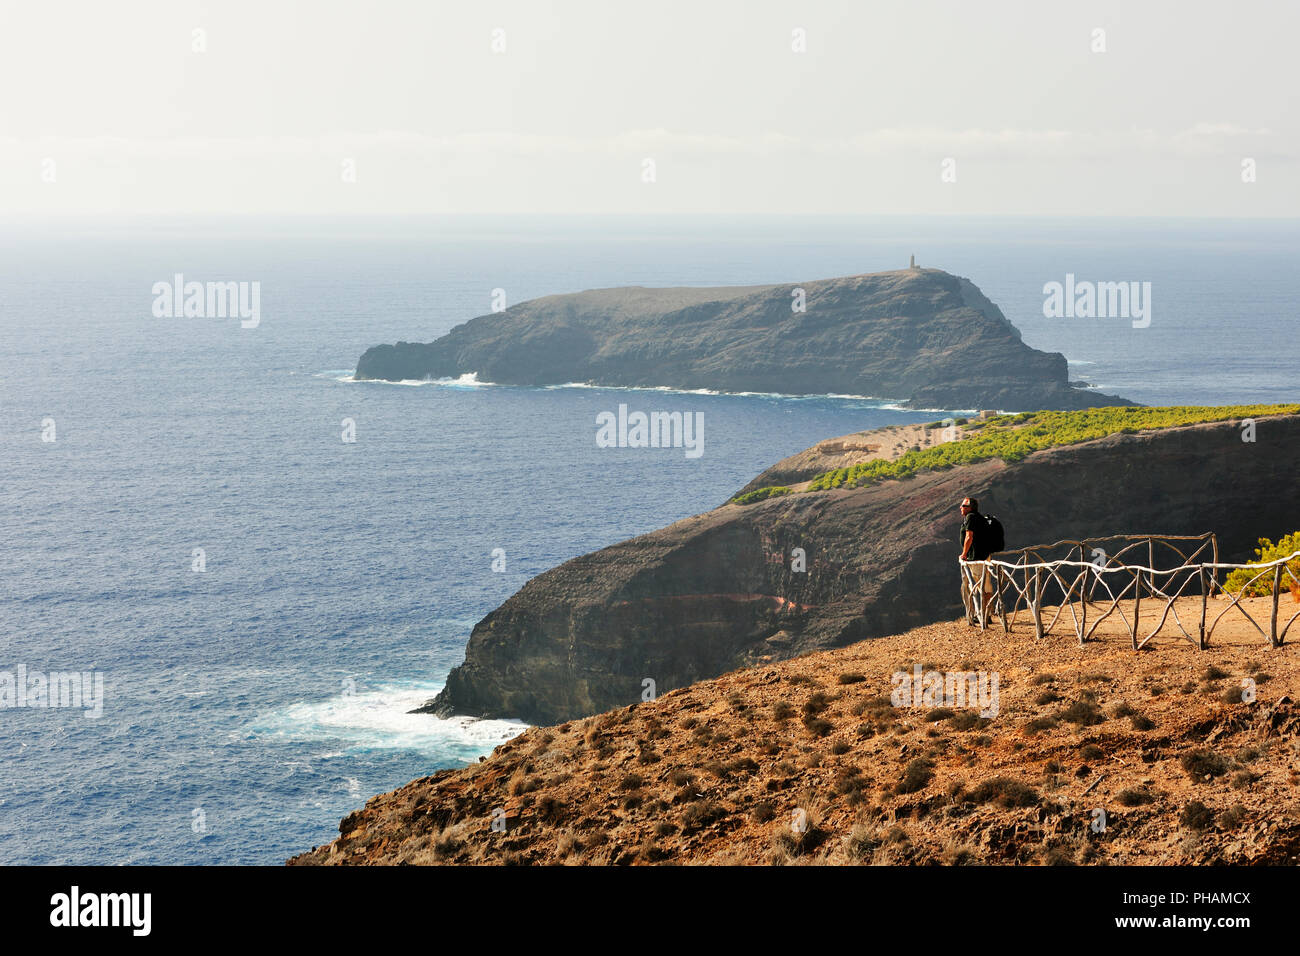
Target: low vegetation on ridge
1015	436
762	494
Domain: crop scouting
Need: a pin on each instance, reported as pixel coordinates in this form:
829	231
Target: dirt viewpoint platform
1095	755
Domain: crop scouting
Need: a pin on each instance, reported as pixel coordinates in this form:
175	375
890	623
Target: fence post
1083	597
1038	603
1214	545
1200	573
1002	605
1085	592
1137	606
979	600
1277	593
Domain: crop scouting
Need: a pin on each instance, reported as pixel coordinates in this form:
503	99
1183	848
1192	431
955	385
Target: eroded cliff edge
716	591
922	335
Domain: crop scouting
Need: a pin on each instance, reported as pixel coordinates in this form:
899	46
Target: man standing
974	547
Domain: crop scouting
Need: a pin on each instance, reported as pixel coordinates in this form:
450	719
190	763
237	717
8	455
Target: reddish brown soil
724	771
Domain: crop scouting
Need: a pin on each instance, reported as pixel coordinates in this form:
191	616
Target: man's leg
986	590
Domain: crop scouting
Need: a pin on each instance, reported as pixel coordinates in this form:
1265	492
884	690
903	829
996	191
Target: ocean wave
468	380
379	719
876	401
471	380
963	412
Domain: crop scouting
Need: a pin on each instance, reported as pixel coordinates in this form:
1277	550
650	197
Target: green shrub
761	494
1266	553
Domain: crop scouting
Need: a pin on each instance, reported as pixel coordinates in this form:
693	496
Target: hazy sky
108	108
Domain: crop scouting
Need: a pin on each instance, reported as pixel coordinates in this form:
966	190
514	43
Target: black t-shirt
974	522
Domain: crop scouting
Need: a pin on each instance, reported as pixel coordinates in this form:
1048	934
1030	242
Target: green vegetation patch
1013	437
761	494
1267	553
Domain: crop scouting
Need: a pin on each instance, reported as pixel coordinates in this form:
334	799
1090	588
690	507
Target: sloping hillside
810	761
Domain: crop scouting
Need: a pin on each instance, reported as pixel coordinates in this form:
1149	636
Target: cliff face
918	333
715	592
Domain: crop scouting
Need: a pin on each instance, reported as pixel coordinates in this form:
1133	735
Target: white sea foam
642	388
379	718
786	396
468	380
471	380
959	412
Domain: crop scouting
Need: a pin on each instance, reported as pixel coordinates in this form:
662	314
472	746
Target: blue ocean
266	601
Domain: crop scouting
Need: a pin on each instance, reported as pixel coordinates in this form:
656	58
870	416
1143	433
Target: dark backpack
993	539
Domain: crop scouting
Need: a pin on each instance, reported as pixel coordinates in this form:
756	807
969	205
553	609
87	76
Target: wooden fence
1070	574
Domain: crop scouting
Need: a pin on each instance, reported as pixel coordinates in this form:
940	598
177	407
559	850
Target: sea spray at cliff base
365	718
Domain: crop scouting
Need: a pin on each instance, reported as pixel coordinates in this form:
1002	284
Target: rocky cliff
717	591
917	334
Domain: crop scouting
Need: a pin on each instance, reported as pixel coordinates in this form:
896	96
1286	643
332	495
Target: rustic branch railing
1033	577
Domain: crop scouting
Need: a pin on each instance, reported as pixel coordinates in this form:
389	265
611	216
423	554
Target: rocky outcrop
717	591
917	334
